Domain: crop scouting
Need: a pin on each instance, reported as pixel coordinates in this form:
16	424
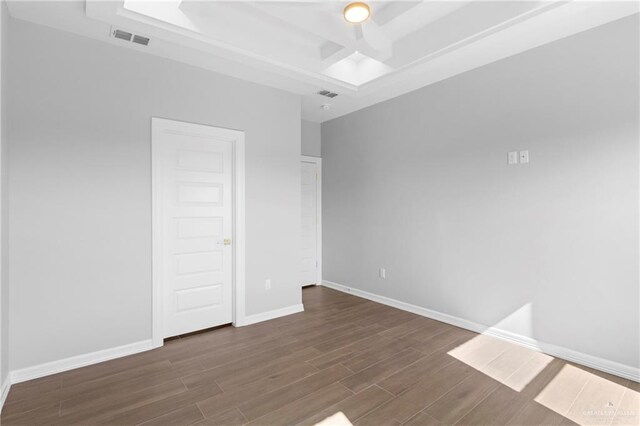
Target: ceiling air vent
129	36
141	40
327	94
122	35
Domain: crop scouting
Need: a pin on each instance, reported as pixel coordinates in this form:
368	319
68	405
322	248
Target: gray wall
4	204
79	119
311	139
420	185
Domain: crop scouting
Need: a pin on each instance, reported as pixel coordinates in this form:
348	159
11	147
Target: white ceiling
307	46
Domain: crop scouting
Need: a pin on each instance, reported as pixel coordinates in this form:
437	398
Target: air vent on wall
141	40
327	94
122	35
128	36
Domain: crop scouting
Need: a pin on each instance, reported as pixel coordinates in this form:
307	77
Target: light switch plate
513	157
524	157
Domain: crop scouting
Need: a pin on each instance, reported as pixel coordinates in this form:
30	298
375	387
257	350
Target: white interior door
309	222
195	196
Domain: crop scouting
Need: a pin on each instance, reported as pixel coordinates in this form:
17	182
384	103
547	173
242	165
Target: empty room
320	212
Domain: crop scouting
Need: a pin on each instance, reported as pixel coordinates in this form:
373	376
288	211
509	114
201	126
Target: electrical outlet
524	157
267	285
382	273
513	157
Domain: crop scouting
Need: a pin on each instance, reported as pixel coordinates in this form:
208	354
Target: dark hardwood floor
375	364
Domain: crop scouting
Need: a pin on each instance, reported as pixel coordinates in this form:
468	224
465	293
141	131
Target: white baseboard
49	368
46	369
269	315
612	367
4	391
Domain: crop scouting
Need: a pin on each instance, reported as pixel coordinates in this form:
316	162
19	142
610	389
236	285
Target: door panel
195	193
309	221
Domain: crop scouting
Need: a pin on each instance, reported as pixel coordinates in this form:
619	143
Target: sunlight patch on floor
338	419
580	396
510	364
588	399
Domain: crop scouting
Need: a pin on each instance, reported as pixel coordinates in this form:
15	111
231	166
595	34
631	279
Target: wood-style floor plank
422	419
182	416
278	398
375	364
305	407
419	396
355	406
382	369
462	398
231	417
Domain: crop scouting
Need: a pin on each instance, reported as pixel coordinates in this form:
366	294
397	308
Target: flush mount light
357	12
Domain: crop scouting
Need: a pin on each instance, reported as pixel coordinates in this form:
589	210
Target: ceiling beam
322	23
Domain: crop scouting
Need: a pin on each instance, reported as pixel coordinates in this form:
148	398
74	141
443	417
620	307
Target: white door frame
318	163
238	239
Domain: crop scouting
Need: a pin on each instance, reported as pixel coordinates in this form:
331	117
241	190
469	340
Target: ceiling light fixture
357	13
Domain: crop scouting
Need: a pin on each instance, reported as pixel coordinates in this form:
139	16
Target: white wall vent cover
122	35
141	40
128	36
327	94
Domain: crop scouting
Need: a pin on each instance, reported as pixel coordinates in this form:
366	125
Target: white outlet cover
524	157
513	157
